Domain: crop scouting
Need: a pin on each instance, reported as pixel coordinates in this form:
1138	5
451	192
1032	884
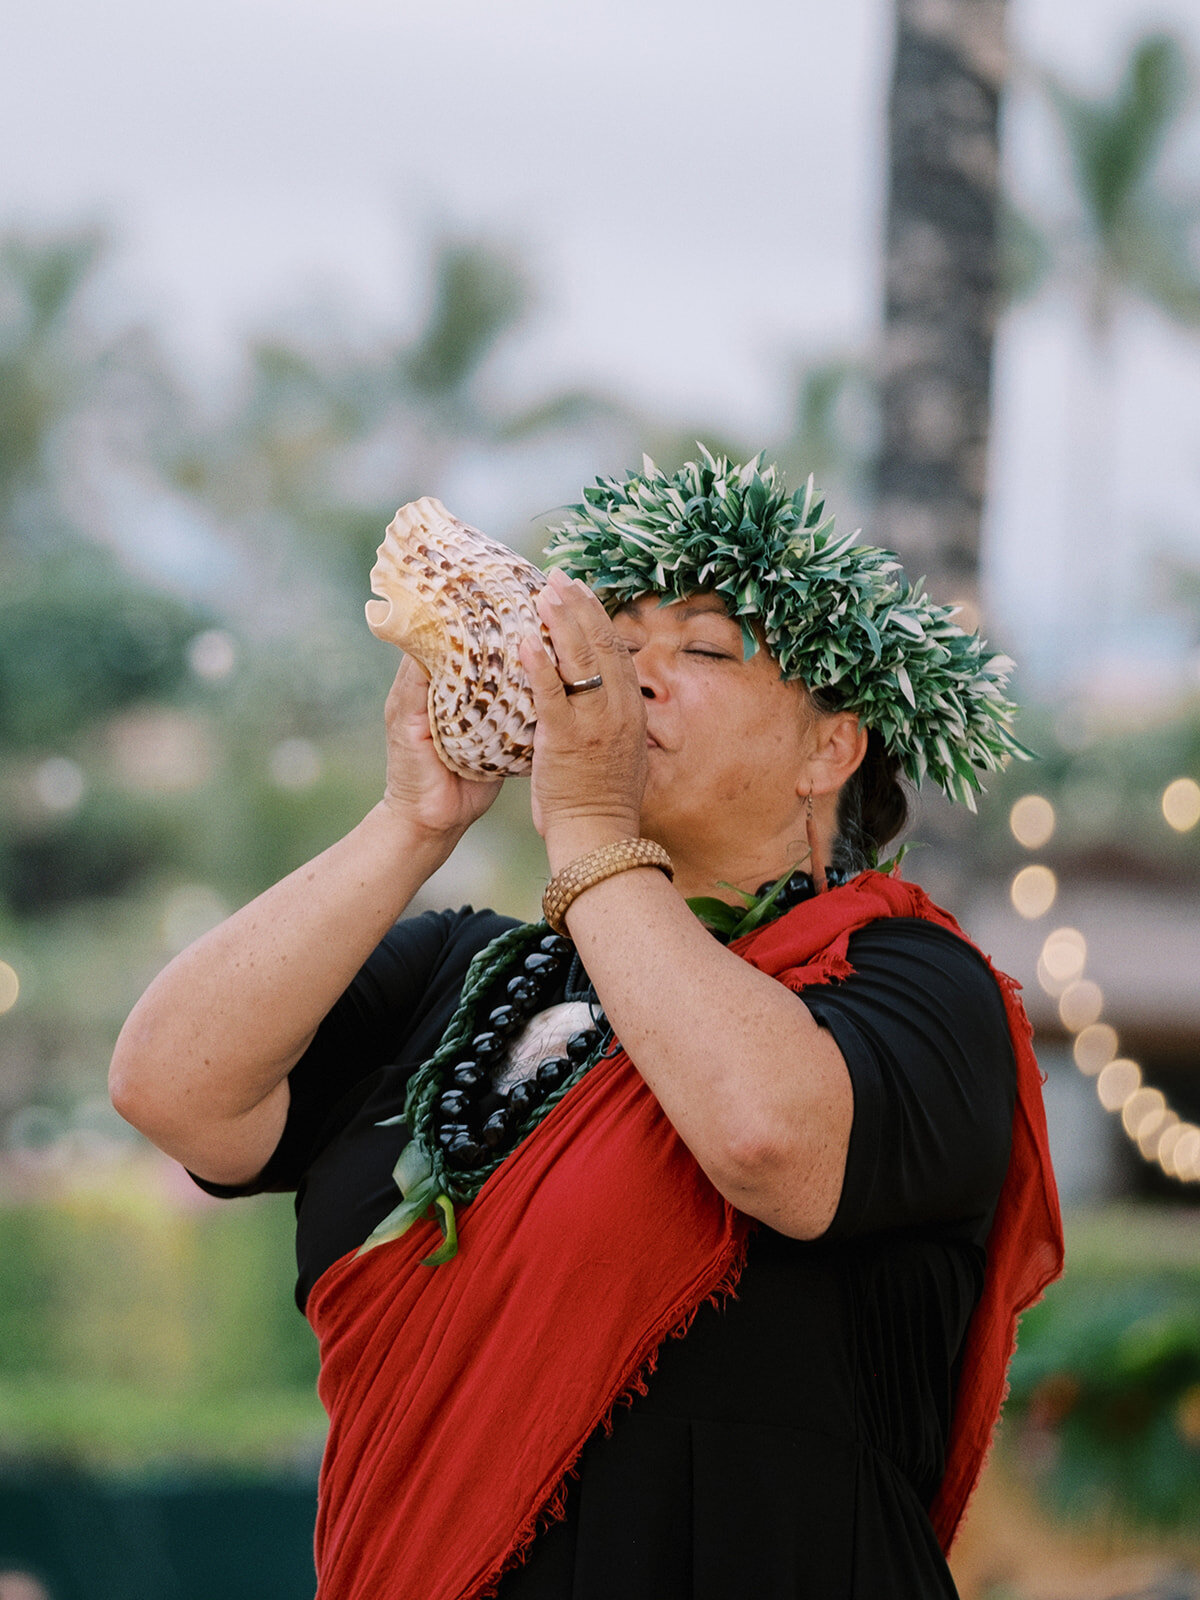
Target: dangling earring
816	865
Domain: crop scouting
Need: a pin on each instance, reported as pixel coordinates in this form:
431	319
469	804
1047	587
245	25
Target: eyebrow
705	605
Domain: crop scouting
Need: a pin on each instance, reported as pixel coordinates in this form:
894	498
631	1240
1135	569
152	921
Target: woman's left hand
589	751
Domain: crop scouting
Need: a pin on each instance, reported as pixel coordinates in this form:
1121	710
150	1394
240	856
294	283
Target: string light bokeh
1155	1129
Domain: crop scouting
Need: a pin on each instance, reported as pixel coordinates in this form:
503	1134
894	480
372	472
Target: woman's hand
421	790
589	751
201	1065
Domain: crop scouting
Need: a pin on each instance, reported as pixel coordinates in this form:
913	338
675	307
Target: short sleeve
921	1025
394	1005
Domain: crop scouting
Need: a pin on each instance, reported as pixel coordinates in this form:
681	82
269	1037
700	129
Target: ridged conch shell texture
460	604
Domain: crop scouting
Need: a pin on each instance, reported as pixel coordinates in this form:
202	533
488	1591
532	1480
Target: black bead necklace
465	1118
727	921
800	887
461	1120
466	1121
475	1115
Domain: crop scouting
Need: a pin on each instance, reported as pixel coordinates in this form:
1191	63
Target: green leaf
733	922
397	1222
743	895
716	913
412	1169
448	1248
759	911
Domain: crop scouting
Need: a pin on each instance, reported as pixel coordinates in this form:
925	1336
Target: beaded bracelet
587	871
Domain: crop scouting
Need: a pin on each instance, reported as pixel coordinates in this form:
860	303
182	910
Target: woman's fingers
563	609
418	781
542	673
589	750
408	698
585	642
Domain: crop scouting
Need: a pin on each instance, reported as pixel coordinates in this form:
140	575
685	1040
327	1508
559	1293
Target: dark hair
873	805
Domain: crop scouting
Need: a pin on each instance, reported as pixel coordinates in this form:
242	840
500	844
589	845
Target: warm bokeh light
1153	1131
1181	804
1080	1004
10	987
1165	1152
1143	1111
1185	1157
1095	1047
1033	891
1120	1079
1050	984
1064	954
1032	821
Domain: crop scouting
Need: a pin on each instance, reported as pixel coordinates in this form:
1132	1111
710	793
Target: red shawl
460	1396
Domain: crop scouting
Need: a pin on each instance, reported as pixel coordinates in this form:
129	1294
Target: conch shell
460	603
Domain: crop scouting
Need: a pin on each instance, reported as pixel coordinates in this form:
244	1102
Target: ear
840	743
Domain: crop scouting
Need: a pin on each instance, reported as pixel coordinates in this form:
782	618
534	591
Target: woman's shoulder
432	938
921	946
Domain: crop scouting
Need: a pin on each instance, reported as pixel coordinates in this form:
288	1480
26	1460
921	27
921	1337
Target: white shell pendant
460	603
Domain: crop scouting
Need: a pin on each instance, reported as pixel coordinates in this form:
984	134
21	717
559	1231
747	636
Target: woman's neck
747	864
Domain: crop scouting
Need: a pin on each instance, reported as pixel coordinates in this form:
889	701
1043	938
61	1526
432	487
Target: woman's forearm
755	1088
201	1064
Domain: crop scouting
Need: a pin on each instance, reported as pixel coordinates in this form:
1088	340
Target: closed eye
710	653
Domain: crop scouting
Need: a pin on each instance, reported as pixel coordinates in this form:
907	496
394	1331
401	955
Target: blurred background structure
267	272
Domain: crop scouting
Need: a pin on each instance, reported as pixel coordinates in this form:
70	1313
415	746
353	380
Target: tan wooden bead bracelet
588	870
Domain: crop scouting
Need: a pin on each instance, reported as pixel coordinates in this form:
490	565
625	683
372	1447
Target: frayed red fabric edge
957	1490
831	969
554	1508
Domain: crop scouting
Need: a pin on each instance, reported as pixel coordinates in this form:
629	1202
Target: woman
799	1151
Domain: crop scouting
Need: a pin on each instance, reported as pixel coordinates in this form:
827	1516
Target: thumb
407	705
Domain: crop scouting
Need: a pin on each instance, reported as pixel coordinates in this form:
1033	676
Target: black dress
789	1445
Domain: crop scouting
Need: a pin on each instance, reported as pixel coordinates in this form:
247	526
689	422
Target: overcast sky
697	185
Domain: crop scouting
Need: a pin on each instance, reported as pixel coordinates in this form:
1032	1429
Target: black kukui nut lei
450	1156
504	1020
475	1120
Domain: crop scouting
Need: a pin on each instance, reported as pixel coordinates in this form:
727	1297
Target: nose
649	664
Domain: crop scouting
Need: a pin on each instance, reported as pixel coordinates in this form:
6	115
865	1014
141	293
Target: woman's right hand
201	1065
421	790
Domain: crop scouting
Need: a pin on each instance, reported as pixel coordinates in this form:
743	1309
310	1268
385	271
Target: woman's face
727	737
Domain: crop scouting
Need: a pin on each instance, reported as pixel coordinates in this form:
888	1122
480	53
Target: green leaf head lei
837	615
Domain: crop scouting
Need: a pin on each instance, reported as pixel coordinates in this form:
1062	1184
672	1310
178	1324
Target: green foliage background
137	1335
1104	1407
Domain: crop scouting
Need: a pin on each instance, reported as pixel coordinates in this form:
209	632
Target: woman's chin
666	826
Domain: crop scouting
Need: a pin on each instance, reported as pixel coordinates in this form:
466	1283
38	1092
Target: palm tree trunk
940	287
